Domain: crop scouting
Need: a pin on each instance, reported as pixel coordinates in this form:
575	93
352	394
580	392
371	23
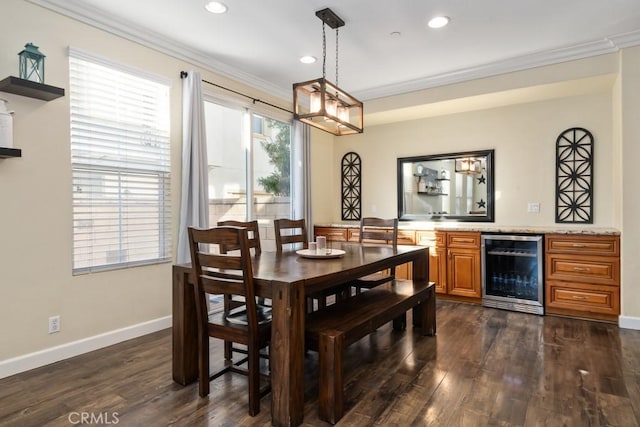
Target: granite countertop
495	228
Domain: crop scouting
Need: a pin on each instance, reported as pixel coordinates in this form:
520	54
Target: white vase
6	126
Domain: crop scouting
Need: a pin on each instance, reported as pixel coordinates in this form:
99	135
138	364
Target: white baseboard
54	354
628	322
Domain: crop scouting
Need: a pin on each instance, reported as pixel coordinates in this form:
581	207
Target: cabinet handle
579	297
585	269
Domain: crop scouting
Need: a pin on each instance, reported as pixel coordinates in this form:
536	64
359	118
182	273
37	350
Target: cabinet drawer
354	235
333	234
597	270
583	245
406	237
431	238
580	297
463	240
425	238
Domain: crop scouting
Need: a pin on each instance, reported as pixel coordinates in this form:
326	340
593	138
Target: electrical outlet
54	324
533	208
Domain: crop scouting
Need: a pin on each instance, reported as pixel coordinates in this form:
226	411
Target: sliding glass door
249	157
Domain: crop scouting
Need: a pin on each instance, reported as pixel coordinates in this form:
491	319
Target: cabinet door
438	268
463	276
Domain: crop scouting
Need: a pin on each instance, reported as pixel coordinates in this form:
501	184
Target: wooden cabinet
582	276
437	257
454	263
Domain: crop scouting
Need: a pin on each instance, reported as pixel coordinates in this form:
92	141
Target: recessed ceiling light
438	22
216	7
308	59
395	34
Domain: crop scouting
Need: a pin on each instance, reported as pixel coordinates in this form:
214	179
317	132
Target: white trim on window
120	158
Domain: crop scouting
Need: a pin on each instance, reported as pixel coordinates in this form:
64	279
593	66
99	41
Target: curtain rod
184	74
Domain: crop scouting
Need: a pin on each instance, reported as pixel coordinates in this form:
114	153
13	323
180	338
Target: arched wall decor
351	186
574	176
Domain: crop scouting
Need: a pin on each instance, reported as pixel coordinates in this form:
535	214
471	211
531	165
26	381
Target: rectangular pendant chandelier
324	105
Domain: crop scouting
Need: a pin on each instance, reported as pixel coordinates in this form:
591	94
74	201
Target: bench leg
400	322
430	326
331	381
426	313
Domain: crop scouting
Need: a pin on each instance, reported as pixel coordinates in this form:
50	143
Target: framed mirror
446	187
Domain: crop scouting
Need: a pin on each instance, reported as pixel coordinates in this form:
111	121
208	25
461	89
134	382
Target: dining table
286	278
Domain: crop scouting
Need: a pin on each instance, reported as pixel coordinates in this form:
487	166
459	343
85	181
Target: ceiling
260	42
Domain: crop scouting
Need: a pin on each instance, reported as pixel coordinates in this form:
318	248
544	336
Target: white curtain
194	206
301	159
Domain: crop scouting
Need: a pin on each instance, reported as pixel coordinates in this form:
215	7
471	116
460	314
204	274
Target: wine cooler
512	272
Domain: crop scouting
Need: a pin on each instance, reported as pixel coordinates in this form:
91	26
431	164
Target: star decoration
482	180
482	204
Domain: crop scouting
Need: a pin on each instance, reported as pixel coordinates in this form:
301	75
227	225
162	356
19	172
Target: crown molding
76	9
537	59
79	11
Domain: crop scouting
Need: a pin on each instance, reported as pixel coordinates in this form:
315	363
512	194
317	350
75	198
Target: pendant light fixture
323	104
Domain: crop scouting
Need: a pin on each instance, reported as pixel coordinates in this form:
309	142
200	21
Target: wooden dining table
286	278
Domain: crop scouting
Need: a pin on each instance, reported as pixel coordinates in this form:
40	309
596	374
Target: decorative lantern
31	63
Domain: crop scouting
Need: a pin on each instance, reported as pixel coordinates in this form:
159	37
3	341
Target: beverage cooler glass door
512	273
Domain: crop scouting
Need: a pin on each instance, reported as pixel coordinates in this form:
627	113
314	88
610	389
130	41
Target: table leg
421	272
287	354
185	344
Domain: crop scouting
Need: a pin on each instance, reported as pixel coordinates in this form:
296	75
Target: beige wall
35	196
630	135
523	137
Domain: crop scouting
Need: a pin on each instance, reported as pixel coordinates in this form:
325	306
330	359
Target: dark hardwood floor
485	367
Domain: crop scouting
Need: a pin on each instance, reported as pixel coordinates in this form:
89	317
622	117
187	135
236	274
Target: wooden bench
331	330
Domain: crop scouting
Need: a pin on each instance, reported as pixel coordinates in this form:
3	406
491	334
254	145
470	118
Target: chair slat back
222	273
253	234
295	232
379	230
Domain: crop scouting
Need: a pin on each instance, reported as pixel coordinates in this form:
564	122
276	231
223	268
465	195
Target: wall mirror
446	187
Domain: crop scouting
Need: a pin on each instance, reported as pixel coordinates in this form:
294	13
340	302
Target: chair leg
331	381
228	350
203	365
254	379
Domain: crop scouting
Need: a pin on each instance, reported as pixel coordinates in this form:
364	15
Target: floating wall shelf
10	152
31	89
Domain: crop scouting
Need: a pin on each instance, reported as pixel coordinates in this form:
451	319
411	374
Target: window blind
120	166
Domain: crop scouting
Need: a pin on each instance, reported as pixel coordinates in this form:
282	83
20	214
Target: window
120	165
249	159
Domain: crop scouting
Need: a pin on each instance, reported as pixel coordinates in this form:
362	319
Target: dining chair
377	230
295	233
226	274
264	305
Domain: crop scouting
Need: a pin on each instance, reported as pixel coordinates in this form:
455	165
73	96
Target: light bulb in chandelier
315	102
332	107
343	113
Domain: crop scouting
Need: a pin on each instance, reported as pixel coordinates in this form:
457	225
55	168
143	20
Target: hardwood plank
484	367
